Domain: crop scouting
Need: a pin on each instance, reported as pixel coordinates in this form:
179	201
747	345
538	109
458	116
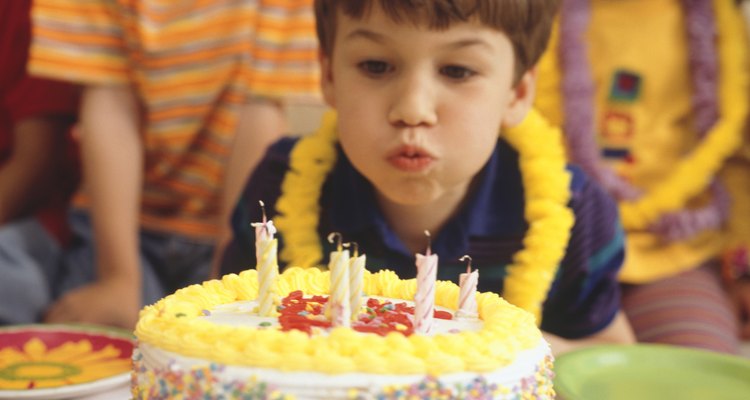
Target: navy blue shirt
490	227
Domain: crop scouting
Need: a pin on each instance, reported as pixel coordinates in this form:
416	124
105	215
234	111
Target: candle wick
465	258
429	242
354	246
264	220
334	235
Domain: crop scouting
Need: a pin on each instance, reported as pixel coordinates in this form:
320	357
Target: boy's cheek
326	81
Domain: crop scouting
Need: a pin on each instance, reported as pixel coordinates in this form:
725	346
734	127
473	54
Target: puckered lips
410	158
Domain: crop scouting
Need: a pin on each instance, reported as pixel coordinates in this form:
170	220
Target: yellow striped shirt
192	64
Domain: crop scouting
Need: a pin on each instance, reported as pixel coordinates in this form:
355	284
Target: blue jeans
39	271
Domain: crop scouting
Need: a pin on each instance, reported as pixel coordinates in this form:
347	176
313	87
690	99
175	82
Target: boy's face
419	110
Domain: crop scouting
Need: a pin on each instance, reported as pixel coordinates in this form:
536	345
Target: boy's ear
326	79
521	100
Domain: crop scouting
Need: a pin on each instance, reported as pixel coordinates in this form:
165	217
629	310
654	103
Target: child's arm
617	332
40	112
26	177
261	123
112	161
740	291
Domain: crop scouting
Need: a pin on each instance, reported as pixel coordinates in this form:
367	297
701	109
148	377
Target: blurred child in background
179	101
38	169
653	98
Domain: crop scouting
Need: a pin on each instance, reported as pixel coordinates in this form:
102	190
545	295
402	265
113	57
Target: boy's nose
414	104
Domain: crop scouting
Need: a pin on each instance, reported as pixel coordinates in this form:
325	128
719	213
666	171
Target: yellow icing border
173	325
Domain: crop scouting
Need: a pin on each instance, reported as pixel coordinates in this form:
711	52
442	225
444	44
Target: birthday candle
356	283
467	301
424	299
267	264
338	300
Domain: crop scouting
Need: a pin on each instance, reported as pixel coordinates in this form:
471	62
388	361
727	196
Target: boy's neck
409	222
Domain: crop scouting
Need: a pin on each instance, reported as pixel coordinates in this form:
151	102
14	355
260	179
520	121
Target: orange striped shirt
192	64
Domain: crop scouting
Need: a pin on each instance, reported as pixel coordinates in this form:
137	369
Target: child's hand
113	302
617	332
740	291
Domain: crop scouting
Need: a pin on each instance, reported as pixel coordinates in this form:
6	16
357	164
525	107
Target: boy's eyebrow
376	37
469	42
366	34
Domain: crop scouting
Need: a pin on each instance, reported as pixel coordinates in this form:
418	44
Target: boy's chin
407	196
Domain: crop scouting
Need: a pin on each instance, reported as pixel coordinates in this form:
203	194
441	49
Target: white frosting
244	313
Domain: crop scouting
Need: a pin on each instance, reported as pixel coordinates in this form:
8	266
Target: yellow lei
546	185
693	174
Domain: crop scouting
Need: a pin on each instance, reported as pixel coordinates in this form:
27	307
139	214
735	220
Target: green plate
647	372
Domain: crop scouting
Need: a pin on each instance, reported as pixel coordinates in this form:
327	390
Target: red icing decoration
55	336
303	313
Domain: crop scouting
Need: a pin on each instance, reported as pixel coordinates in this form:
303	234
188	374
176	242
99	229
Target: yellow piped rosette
174	324
546	186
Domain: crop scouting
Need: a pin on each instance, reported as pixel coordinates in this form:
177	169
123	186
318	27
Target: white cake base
159	374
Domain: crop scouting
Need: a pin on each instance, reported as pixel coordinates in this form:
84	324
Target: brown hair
526	22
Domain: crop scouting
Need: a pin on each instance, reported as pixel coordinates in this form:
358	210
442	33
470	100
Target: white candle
356	281
338	300
424	299
467	301
266	265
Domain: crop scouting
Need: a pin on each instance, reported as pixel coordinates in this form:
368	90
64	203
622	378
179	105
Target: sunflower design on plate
42	357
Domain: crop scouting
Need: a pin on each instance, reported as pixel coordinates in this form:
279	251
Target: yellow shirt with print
643	117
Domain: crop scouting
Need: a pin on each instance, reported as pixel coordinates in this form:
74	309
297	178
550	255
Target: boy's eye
457	72
373	67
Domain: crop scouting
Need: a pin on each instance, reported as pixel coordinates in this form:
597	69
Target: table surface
118	393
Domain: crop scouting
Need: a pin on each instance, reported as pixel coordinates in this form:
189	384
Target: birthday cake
209	341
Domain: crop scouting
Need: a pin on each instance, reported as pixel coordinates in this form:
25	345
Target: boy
421	94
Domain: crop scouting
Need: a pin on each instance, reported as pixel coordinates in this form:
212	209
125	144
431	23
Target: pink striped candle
424	299
467	300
